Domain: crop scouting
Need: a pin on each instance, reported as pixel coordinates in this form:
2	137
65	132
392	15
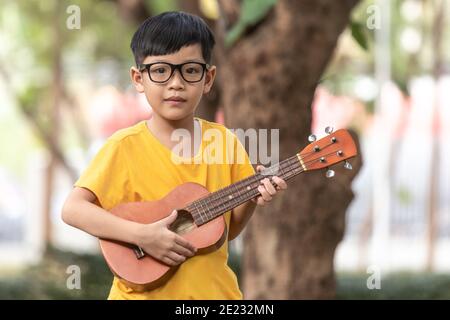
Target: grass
48	280
395	286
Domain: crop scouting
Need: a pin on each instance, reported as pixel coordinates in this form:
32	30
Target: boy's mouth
175	99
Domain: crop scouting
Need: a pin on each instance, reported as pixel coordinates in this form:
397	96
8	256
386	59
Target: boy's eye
191	70
159	70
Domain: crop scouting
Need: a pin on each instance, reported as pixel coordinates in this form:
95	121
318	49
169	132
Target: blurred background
65	87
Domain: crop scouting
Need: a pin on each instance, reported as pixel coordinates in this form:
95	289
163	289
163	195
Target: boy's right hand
161	243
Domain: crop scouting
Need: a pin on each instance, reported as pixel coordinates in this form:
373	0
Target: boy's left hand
266	188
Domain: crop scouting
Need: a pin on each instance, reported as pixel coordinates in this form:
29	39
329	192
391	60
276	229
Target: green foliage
159	6
402	285
234	262
97	52
370	107
47	280
252	12
359	34
404	195
27	99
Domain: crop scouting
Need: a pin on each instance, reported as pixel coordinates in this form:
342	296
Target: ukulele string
255	179
252	192
292	172
251	181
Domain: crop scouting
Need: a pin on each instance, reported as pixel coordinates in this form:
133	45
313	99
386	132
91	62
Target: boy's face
162	96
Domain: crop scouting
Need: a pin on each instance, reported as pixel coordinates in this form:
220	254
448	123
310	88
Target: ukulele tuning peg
329	130
312	138
330	173
347	165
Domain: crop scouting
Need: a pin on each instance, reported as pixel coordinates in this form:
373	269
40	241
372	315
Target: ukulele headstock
334	148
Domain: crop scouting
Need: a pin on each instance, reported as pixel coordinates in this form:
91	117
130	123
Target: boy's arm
80	212
239	218
242	214
155	238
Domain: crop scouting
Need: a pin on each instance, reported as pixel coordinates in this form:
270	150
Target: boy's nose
176	81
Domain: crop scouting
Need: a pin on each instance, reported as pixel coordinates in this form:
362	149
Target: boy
172	53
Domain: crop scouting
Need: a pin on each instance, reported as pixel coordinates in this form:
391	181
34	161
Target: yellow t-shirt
134	166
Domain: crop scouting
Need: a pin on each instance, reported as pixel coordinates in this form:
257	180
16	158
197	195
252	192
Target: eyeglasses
161	72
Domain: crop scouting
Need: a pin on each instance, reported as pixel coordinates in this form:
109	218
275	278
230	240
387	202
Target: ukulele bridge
139	252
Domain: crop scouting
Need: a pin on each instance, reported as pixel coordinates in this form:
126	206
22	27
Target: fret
206	208
199	205
292	162
219	195
227	198
220	208
282	172
190	209
243	187
208	204
237	191
199	211
287	165
231	198
217	201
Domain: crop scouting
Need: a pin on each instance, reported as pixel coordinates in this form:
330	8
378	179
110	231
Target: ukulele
200	217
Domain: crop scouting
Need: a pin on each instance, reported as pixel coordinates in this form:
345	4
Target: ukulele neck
217	203
334	148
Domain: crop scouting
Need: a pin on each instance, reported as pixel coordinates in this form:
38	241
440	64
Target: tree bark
133	10
433	207
210	103
271	74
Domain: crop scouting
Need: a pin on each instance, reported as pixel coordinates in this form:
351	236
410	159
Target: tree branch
43	134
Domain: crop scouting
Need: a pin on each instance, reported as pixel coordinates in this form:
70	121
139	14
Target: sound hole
183	223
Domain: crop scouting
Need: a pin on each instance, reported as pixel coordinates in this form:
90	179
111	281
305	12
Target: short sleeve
241	167
107	175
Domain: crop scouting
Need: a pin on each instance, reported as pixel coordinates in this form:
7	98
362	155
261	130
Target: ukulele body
146	273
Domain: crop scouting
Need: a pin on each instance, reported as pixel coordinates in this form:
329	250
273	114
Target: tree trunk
54	118
433	207
271	74
210	103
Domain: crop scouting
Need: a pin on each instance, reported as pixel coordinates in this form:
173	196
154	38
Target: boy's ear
136	78
210	76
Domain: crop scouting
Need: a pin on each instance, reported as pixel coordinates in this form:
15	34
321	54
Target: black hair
168	32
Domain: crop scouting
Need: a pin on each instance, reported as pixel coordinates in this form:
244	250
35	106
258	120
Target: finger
184	243
260	202
259	168
269	187
168	261
170	218
183	251
176	257
280	182
264	194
